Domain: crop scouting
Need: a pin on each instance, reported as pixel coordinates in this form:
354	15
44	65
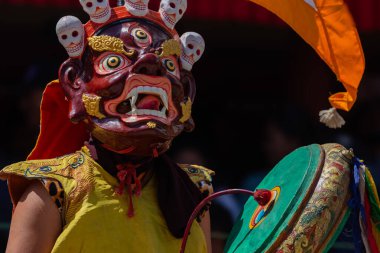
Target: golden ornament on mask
171	47
105	43
151	124
186	111
92	105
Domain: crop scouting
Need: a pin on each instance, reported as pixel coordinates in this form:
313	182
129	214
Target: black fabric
109	160
177	194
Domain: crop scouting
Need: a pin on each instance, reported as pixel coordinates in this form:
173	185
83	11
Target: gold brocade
77	185
96	218
108	43
197	173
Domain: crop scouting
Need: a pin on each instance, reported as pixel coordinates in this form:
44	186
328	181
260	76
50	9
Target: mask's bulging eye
113	62
140	34
110	63
141	37
171	66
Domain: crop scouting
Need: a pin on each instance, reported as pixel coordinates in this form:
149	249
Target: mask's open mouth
145	101
144	98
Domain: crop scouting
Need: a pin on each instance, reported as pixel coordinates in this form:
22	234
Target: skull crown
172	11
99	10
138	8
193	46
72	34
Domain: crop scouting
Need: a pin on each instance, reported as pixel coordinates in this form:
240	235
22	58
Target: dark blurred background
260	88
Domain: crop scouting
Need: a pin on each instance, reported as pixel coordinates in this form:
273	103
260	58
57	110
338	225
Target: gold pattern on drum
313	231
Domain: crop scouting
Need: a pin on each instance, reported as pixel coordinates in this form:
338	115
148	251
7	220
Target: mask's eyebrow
170	47
108	43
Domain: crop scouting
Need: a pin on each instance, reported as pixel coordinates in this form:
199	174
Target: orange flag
328	27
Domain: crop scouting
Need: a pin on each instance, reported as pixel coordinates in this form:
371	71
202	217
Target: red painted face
140	95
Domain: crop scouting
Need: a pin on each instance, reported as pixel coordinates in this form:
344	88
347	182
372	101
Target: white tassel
331	118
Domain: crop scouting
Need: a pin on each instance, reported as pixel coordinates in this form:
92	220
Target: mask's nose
149	64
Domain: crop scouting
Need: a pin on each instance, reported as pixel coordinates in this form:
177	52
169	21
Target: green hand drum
307	208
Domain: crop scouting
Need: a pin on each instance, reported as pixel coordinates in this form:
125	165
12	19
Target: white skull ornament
99	10
171	11
70	34
193	48
137	7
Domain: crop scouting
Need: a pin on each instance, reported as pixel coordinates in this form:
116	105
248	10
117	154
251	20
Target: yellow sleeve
20	175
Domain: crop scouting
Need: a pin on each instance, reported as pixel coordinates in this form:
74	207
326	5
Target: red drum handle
202	204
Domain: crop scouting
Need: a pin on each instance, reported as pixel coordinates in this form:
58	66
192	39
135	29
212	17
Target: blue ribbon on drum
357	209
